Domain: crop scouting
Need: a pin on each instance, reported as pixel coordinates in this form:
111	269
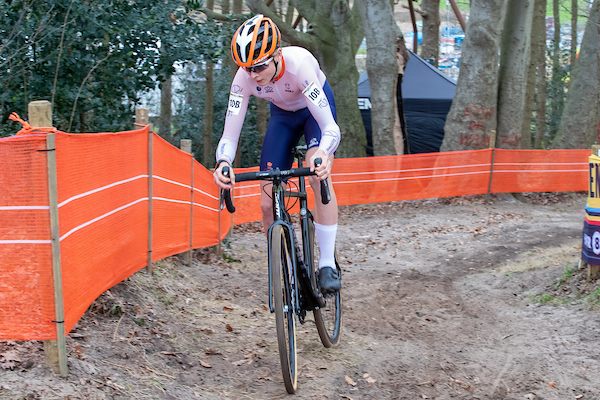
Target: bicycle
289	264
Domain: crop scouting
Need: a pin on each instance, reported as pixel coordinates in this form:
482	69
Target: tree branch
60	49
81	88
306	8
210	14
289	34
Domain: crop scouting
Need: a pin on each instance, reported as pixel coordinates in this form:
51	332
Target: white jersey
300	86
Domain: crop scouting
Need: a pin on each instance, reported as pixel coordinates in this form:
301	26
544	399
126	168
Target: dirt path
443	299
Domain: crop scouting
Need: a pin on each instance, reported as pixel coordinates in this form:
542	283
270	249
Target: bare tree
430	13
538	55
574	12
556	86
581	114
473	114
513	75
382	34
207	142
166	96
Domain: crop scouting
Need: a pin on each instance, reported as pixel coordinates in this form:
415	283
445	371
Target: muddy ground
443	299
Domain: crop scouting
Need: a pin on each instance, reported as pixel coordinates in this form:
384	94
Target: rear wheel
328	317
281	269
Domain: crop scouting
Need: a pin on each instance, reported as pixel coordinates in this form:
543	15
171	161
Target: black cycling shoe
329	280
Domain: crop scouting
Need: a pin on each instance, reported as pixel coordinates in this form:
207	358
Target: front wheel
328	317
281	270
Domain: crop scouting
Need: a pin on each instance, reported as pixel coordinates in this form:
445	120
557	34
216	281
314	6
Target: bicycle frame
282	218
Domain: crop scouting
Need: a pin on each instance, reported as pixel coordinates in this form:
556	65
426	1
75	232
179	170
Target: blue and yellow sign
590	249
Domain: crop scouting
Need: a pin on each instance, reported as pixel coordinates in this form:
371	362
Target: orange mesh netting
103	207
26	290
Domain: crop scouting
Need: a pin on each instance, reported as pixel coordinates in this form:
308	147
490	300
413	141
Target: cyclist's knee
266	205
314	182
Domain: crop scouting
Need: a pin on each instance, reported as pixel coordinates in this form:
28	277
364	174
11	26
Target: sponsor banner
590	248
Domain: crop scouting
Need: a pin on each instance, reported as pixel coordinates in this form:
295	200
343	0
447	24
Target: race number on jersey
314	93
235	103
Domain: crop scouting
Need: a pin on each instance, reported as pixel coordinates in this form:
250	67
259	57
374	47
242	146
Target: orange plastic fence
103	207
103	218
433	175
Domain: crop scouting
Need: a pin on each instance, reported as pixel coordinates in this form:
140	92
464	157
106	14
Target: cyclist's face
263	74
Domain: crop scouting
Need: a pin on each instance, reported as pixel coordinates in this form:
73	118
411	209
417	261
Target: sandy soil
443	299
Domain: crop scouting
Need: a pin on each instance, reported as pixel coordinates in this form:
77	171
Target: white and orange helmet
255	41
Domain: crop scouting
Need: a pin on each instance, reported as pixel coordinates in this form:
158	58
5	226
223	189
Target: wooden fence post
493	147
186	145
141	118
40	116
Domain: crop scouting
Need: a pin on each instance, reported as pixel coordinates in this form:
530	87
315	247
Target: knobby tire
329	317
284	309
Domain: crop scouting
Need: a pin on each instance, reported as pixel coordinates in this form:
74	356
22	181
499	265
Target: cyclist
302	103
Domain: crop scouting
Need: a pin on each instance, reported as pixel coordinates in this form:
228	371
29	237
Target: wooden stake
141	118
40	116
493	147
186	145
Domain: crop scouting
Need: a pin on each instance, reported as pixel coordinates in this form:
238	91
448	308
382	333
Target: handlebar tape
226	193
325	195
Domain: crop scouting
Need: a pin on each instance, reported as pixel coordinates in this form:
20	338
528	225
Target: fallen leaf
349	380
205	364
579	397
365	376
553	384
343	396
229	328
10	355
7	365
228	308
240	362
212	352
371	380
166	353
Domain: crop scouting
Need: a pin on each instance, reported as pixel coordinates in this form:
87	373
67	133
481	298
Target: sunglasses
260	67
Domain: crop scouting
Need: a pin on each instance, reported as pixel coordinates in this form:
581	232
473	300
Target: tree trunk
333	35
580	120
430	47
574	11
166	96
225	6
237	162
473	112
208	156
538	39
556	82
513	75
381	32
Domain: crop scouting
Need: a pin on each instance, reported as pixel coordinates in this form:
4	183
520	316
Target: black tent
425	95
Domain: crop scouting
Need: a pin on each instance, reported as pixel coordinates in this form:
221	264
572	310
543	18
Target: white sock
326	239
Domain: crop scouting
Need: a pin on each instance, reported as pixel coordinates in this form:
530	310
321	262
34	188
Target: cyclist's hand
221	180
324	170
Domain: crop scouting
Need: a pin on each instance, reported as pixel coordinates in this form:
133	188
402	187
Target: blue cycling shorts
285	130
